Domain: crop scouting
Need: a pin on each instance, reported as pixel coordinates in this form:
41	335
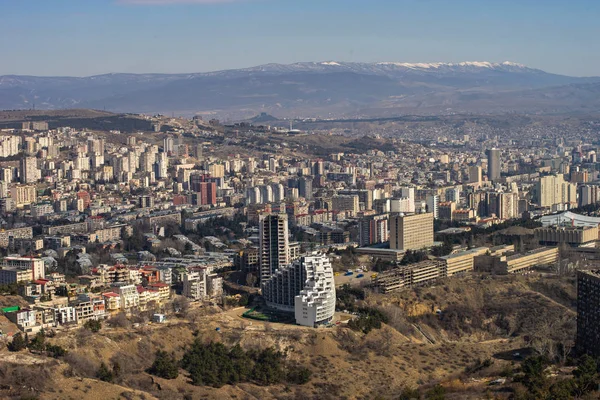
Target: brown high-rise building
411	232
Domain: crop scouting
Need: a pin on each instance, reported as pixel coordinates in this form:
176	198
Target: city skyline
160	36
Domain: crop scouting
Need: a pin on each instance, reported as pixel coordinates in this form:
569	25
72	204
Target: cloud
169	2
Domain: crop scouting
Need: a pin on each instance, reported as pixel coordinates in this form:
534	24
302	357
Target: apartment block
411	232
418	274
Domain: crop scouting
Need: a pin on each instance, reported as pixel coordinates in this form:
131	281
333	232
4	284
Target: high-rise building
588	194
432	202
373	229
29	170
493	156
273	243
305	287
168	145
278	192
588	313
318	168
162	166
216	170
346	203
305	187
446	210
508	205
553	189
411	232
23	195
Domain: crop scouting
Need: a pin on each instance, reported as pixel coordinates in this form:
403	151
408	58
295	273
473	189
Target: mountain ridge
311	89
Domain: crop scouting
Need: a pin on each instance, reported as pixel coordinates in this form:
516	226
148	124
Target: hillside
416	348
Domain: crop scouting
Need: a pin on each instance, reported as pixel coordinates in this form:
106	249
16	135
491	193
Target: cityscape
346	229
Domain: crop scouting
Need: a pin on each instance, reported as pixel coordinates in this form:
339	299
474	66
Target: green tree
38	342
104	373
93	325
55	351
586	375
18	343
534	376
164	366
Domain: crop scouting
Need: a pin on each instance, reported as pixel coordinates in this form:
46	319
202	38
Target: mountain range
316	89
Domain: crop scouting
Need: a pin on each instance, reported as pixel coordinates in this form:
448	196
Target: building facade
411	232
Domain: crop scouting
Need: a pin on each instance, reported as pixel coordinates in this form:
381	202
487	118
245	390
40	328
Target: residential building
305	287
273	243
411	232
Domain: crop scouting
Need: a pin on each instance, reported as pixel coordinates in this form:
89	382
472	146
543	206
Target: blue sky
87	37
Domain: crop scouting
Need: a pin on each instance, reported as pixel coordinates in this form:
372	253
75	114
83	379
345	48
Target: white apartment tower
305	287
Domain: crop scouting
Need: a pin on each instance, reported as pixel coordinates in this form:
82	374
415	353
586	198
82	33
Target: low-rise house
163	290
65	315
112	302
25	319
129	296
148	298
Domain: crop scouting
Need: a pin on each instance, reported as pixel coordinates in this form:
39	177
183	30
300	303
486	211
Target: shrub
298	375
93	325
55	351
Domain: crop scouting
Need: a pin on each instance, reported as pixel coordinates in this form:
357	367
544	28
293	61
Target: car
348	273
360	275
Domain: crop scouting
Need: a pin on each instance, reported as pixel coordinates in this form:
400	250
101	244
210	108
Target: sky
89	37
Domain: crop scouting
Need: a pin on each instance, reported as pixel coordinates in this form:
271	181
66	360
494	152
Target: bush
93	325
55	351
164	366
80	365
119	321
298	375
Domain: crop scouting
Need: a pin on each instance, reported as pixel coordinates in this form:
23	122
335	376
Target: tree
104	373
586	375
38	342
181	305
413	256
164	366
18	343
534	376
55	351
93	325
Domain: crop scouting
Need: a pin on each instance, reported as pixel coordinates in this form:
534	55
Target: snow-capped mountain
303	88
